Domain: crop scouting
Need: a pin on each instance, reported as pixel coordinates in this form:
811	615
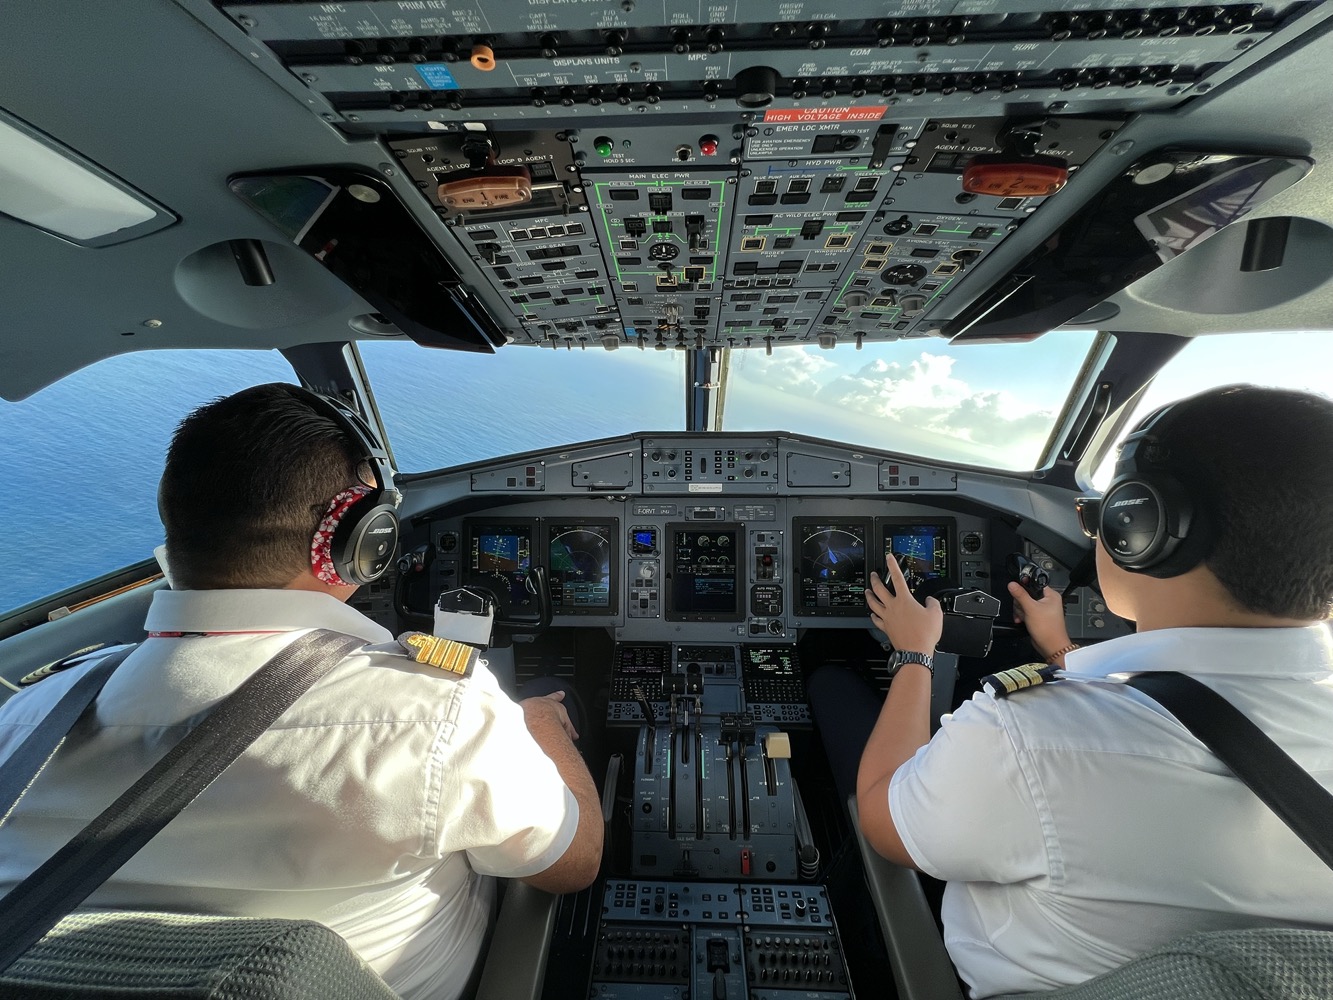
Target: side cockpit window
1282	360
83	457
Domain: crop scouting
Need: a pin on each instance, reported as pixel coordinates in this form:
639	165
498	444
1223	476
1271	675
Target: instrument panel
736	538
657	567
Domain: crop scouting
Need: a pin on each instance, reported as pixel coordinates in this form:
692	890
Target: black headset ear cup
1150	524
365	541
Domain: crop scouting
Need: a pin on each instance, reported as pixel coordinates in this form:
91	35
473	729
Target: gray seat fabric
1257	964
174	956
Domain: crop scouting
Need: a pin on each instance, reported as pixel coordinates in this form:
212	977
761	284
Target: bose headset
358	534
1149	521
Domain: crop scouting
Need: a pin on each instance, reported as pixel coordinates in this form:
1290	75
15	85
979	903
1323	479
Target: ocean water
83	457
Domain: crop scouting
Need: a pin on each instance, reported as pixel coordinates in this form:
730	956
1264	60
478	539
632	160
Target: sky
83	457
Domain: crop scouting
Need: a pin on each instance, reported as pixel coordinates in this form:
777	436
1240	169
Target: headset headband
355	542
351	422
1143	449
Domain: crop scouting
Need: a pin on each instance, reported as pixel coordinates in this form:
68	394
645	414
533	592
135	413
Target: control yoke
537	584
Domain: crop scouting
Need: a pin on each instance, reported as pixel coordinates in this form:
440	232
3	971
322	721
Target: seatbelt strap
1299	801
20	769
74	872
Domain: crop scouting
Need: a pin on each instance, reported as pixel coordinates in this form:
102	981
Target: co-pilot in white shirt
1079	825
375	805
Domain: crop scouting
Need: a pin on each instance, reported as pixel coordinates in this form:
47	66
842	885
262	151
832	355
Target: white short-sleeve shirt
1079	825
375	805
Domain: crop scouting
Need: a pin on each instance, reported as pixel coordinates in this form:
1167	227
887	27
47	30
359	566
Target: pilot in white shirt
1078	824
385	799
377	804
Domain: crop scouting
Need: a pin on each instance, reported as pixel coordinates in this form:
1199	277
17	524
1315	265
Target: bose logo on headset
1129	503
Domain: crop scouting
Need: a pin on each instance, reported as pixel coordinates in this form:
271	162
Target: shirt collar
1269	652
257	611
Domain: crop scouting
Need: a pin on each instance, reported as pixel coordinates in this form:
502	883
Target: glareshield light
51	187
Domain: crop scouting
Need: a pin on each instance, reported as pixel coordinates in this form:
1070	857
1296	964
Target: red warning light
1022	179
708	145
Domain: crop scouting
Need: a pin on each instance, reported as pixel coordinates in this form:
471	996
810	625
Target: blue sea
83	457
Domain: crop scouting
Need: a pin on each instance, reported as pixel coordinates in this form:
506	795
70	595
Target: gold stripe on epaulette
1029	675
452	657
55	666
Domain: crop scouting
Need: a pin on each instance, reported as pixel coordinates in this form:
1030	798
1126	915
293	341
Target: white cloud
794	370
918	406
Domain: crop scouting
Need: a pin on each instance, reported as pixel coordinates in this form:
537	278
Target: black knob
756	86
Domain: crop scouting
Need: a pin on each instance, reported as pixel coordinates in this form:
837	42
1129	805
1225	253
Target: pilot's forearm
903	728
578	866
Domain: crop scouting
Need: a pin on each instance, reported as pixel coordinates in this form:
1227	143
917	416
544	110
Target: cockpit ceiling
746	181
639	174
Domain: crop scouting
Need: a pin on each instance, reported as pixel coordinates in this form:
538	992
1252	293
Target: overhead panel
383	60
669	175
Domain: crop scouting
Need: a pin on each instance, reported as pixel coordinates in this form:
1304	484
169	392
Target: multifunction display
581	561
831	566
921	549
704	571
500	553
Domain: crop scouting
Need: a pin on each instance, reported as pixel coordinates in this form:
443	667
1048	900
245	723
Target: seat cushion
183	957
1257	964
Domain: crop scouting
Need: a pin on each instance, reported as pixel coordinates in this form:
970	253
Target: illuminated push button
603	145
708	145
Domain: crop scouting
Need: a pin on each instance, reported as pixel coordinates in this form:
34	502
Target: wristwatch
898	657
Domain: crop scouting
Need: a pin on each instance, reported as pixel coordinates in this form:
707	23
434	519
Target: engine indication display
582	561
705	572
502	552
921	549
831	568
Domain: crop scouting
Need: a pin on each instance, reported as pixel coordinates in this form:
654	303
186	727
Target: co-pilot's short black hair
247	479
1261	460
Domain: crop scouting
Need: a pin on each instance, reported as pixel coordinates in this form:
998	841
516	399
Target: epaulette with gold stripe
54	667
456	658
1029	675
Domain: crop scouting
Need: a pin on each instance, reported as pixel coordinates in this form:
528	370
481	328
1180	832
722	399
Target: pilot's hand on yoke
910	626
551	705
1045	619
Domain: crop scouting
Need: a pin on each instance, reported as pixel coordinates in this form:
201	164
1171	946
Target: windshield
987	405
443	408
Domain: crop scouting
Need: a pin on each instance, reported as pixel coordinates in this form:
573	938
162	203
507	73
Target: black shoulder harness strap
1299	801
74	872
21	768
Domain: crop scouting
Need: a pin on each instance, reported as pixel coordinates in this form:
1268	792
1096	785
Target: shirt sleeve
963	805
502	799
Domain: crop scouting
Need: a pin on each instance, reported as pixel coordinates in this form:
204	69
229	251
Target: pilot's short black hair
1261	461
247	480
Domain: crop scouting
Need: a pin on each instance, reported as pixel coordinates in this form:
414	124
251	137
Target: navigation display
581	560
921	548
501	555
831	566
704	571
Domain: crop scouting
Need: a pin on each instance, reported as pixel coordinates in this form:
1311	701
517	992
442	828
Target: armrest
516	960
921	966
